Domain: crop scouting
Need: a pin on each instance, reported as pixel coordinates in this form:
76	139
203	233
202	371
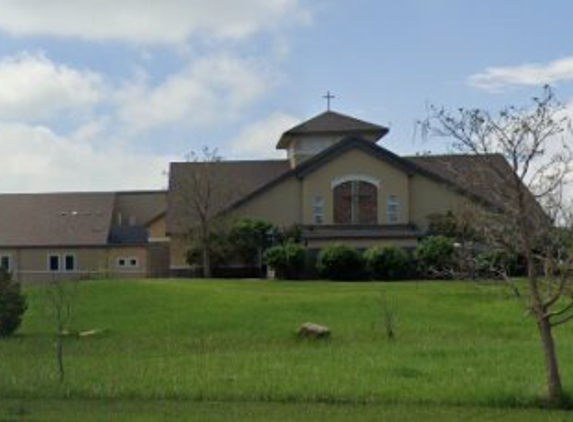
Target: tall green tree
12	304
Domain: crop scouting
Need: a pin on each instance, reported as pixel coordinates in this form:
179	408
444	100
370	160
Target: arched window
355	202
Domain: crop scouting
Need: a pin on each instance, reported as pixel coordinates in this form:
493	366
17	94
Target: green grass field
227	350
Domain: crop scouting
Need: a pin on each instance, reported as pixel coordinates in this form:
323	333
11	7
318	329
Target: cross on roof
328	97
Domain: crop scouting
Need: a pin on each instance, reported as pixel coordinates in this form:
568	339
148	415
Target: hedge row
435	257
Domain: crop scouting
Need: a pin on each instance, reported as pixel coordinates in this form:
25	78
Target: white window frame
49	262
9	256
127	262
64	259
392	209
318	209
355	178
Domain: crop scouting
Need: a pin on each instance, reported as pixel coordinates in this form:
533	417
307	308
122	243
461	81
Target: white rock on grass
313	331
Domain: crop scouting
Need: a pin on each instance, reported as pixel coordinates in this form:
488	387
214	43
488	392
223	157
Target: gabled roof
331	122
472	176
237	178
411	166
55	219
77	218
141	207
353	142
485	176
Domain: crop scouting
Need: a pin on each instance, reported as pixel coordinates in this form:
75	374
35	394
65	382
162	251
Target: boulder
313	331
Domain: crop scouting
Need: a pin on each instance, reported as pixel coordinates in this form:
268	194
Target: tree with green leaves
12	304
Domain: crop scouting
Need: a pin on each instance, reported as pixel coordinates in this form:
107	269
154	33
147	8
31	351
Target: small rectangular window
392	209
5	262
130	262
318	210
54	262
70	262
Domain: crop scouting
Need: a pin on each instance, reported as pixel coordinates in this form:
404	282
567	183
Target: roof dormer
322	131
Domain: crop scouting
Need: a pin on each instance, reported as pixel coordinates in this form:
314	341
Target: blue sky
101	94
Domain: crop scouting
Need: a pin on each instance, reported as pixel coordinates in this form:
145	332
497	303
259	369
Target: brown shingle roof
140	207
74	218
57	219
486	176
238	178
331	122
482	178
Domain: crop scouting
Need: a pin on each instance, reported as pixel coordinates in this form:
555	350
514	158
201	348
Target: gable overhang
288	137
354	142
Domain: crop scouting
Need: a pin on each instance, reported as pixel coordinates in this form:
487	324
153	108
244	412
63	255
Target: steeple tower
324	130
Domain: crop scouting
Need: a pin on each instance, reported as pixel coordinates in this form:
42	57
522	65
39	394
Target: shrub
12	304
340	262
249	237
456	226
220	248
286	260
387	263
443	225
292	233
494	262
435	255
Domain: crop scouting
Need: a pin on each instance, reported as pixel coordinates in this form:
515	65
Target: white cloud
33	87
96	152
209	90
35	159
259	139
534	74
149	21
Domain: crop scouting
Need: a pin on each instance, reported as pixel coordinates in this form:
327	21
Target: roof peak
331	122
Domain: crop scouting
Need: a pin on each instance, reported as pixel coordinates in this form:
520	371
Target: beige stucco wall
303	147
290	201
279	205
429	197
355	162
177	252
157	229
31	264
138	252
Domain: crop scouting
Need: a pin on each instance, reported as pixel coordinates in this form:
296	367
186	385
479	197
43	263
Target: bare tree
388	316
529	215
61	297
204	190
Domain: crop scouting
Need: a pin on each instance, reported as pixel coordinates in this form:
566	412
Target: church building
340	184
337	182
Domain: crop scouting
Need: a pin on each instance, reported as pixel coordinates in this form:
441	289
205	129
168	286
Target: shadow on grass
525	402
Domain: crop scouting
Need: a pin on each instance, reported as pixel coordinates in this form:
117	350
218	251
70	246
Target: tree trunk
60	356
206	252
555	393
206	262
554	386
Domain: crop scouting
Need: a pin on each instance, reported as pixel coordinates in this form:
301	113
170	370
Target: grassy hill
462	350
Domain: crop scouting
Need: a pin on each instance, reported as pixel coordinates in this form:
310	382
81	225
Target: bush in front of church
287	260
340	262
435	256
388	263
12	304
